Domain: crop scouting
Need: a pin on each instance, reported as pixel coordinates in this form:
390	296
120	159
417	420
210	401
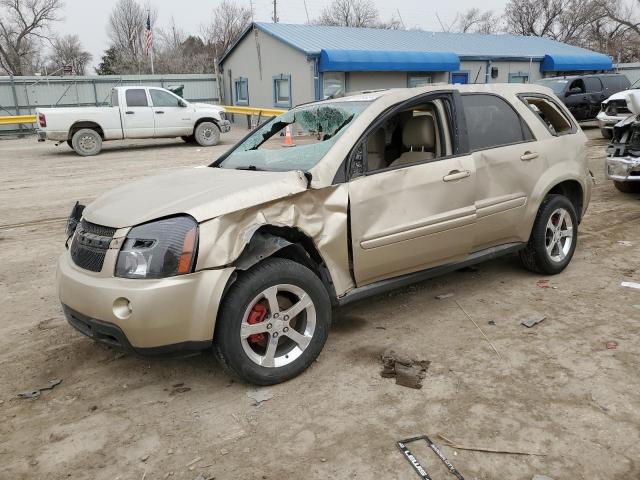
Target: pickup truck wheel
627	187
553	237
273	322
86	142
207	134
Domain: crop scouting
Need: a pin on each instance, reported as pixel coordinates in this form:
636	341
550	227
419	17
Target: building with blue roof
281	65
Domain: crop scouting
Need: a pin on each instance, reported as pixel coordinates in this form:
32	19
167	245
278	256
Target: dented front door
412	218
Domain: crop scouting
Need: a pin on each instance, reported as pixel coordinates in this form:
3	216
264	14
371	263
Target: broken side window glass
295	140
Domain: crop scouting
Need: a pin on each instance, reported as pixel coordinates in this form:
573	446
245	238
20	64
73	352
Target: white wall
277	58
477	70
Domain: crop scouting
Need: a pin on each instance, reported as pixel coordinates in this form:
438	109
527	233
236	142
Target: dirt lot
557	389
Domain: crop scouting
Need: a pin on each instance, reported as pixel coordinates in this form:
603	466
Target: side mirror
182	103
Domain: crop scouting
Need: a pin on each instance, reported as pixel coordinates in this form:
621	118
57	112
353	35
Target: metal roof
311	39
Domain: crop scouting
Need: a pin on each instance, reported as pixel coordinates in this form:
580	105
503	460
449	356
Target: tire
207	134
551	246
246	355
606	133
627	187
189	138
86	142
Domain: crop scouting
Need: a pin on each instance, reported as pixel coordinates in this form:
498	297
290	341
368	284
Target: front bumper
145	316
623	169
225	126
607	122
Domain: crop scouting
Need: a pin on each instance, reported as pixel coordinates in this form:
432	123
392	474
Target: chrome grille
90	245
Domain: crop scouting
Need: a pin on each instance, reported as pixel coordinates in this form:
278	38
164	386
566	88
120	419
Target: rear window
136	98
492	122
549	113
593	84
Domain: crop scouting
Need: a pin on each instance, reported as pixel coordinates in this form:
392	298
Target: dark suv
583	94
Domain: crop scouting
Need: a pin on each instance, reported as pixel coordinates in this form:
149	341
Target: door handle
526	156
129	112
159	111
456	175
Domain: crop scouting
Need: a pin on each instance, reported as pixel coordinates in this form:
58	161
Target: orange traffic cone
288	138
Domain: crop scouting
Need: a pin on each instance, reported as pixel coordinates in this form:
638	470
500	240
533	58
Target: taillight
42	120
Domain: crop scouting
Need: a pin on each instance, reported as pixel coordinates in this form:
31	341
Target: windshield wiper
253	168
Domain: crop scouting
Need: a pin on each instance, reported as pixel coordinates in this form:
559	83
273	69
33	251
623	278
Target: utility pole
275	11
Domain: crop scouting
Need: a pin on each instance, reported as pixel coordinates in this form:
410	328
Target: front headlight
617	169
159	249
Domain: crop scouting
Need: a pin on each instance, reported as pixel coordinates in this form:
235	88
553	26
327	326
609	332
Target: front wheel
207	134
553	237
627	187
86	142
273	322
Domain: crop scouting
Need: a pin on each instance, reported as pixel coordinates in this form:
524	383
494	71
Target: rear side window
549	113
137	98
492	122
593	84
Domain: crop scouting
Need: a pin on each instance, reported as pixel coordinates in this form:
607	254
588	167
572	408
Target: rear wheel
273	322
86	142
207	134
553	237
627	187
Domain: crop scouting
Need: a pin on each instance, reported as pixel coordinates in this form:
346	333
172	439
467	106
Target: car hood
201	192
618	96
208	106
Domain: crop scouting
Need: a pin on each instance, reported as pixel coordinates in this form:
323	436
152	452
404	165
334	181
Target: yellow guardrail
17	120
264	112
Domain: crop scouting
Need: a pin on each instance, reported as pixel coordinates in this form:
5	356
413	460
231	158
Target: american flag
148	36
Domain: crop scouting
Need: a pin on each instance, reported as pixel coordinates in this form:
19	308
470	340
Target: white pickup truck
135	112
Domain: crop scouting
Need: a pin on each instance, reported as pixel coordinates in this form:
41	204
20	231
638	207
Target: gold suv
326	204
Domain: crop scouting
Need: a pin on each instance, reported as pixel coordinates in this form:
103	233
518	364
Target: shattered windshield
295	140
556	85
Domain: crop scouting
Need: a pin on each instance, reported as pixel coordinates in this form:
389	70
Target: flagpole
151	52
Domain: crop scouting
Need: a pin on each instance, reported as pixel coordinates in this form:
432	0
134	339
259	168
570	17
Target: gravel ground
557	389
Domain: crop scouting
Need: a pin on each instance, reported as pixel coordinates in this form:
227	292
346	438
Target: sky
88	18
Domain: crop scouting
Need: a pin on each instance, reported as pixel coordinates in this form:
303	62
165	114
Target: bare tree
24	25
622	12
126	25
228	21
355	13
178	53
68	50
476	21
562	20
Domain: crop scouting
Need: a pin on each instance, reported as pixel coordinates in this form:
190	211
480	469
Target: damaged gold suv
250	254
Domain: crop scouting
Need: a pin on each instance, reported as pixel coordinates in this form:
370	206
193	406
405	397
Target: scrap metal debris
35	393
402	445
444	296
259	396
630	285
625	243
407	372
611	345
543	283
478	327
533	319
450	443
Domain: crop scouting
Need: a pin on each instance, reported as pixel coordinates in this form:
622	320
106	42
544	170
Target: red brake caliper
257	315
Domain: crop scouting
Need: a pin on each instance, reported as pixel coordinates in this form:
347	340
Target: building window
333	85
519	77
282	91
242	91
419	79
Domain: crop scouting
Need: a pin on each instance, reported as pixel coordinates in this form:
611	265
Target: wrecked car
250	254
622	164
